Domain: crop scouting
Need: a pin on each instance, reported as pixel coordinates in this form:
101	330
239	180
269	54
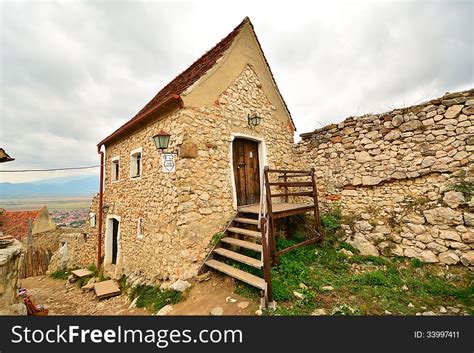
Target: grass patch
331	221
416	263
363	285
154	298
216	238
247	291
60	274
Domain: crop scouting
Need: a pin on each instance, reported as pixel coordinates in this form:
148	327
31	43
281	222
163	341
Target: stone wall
183	210
404	178
9	261
76	247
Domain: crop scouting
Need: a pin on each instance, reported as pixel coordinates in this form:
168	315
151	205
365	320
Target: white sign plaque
167	163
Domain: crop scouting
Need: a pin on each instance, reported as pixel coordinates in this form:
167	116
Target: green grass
60	274
154	298
331	220
363	285
416	262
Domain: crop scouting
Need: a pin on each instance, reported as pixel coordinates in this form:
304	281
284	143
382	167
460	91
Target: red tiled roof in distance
15	223
173	90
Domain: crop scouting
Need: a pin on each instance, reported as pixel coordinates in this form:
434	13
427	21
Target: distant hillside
51	187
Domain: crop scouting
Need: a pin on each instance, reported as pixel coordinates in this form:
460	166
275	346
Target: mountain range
66	186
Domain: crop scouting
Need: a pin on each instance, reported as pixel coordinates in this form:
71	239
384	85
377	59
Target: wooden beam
303	193
292	184
293	212
293	247
288	171
295	175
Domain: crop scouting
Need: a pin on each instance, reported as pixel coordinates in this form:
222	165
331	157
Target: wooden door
115	228
246	171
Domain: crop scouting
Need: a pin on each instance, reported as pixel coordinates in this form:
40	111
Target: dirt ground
200	300
216	292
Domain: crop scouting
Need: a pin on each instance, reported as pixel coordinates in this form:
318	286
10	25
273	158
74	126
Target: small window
136	163
140	225
115	172
92	219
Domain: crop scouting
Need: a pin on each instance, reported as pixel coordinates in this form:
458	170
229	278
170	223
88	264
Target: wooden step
242	244
250	233
236	273
239	257
247	220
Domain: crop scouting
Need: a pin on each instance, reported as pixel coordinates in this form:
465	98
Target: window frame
140	227
139	167
115	161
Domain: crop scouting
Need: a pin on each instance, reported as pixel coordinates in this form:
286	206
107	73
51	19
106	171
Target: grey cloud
71	73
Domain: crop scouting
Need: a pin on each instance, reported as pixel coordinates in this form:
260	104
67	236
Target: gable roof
172	91
15	223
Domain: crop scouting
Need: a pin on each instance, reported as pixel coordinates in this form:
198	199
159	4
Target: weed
466	188
216	238
385	278
60	274
154	298
331	220
247	291
92	268
416	263
123	285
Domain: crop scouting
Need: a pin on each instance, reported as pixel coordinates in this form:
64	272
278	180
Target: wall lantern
162	140
254	120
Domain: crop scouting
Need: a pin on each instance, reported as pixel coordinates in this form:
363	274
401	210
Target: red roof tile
15	223
171	92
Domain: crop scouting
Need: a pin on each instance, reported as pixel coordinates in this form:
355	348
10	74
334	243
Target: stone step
247	220
239	257
242	244
236	273
250	233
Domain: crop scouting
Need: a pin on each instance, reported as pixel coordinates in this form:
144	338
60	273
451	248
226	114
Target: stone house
399	174
162	208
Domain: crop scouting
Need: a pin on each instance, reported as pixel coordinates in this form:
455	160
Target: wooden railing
270	255
305	179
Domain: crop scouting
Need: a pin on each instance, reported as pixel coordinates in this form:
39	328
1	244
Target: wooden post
271	233
267	274
317	219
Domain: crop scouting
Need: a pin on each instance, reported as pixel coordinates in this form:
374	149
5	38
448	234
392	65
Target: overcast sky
73	72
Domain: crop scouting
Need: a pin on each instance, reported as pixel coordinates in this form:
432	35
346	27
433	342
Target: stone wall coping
9	252
448	99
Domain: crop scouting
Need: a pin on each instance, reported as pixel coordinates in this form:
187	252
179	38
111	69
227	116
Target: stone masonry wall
76	247
405	178
183	210
9	261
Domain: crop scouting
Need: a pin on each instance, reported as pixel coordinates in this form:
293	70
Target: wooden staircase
253	228
241	234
